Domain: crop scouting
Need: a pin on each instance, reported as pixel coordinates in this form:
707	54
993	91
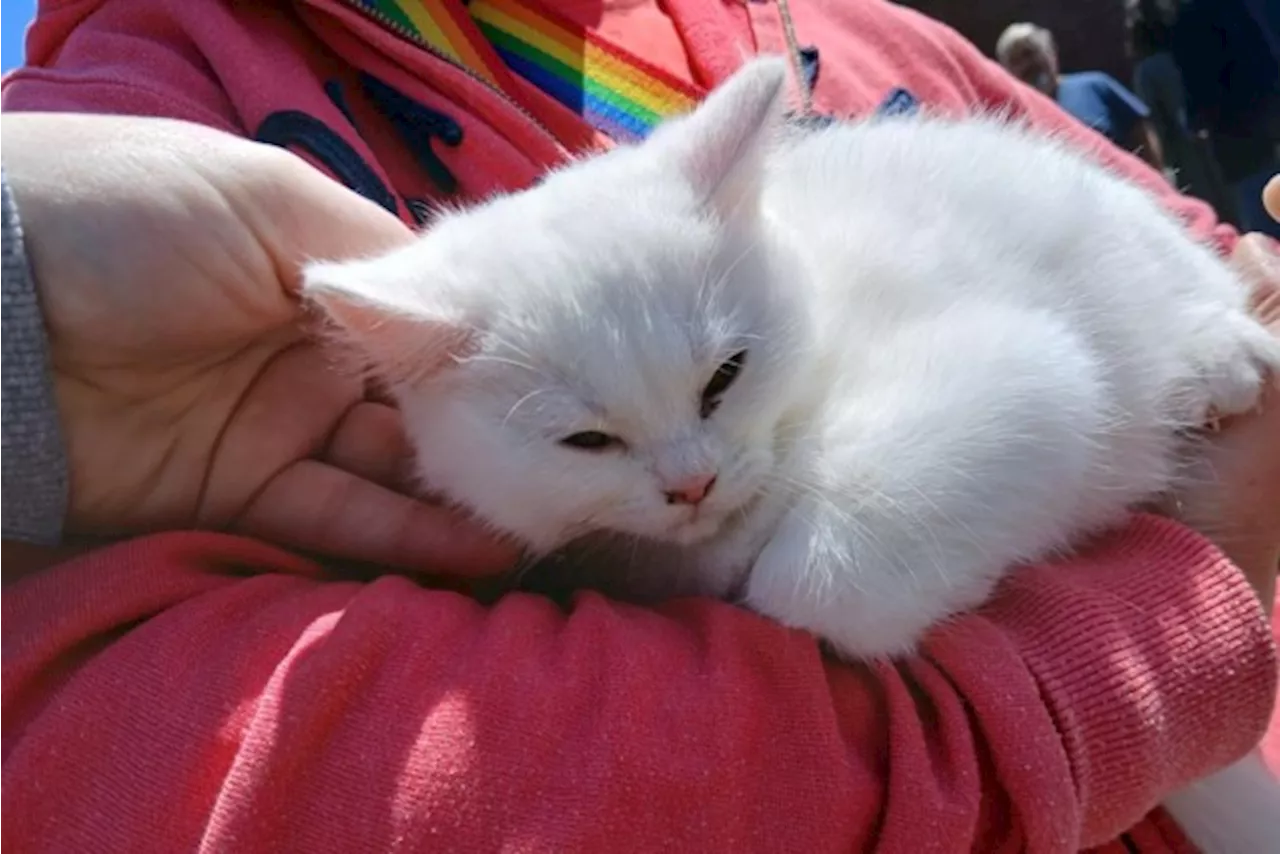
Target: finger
1271	197
287	413
1256	260
316	507
370	443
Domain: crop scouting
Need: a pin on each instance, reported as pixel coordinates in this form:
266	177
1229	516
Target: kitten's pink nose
691	490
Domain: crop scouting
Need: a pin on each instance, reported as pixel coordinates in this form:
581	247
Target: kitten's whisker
707	289
530	396
501	360
507	343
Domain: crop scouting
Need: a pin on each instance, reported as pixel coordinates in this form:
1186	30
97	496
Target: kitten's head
611	350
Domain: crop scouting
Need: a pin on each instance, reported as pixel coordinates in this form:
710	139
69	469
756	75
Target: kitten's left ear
392	327
720	146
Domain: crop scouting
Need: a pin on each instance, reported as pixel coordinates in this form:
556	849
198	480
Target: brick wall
1090	33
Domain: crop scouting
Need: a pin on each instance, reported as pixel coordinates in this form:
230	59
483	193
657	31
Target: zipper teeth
413	38
793	54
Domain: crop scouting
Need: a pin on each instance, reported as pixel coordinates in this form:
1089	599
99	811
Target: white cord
793	48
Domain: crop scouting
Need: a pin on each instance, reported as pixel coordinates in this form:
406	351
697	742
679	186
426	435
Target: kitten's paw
854	628
1235	361
851	628
806	580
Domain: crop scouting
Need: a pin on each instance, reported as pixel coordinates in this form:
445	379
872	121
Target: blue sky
13	23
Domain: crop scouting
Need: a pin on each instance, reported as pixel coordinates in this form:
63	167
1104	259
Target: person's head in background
1149	25
1028	52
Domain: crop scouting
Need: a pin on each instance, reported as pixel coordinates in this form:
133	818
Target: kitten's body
965	348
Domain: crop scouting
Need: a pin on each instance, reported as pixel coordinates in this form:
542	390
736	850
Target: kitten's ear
721	145
404	338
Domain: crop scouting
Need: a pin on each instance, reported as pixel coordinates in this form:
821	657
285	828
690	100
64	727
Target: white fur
966	347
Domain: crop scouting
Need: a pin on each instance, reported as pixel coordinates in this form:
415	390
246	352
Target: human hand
167	257
1256	258
1233	495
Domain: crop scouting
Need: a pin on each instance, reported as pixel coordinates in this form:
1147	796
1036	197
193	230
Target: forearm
296	712
35	467
1112	637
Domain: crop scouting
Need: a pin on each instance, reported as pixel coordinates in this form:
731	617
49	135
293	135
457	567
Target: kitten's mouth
703	526
697	529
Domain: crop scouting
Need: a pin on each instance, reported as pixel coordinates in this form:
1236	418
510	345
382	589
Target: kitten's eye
591	440
720	382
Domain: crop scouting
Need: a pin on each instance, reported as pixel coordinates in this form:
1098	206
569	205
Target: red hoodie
199	691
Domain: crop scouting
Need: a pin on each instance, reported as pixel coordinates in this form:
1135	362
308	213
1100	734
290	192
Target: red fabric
194	688
198	689
231	65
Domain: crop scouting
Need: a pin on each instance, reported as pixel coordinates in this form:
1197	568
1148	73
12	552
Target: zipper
413	38
795	54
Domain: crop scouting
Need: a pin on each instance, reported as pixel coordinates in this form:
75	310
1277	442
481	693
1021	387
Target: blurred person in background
1229	54
1095	98
1188	156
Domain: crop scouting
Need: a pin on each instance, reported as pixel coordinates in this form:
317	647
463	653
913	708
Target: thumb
300	215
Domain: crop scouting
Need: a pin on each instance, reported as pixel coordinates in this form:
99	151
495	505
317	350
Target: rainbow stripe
444	25
617	93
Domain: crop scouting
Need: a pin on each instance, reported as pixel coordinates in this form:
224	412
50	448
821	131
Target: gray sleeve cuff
32	456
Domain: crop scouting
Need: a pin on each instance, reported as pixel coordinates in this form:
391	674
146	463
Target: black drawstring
417	125
295	128
333	89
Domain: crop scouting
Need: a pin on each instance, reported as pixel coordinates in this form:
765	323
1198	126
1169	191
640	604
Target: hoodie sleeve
196	690
35	465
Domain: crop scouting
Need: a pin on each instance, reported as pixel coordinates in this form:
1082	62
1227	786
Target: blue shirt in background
1101	102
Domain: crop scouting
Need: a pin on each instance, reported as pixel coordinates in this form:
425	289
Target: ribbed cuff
1153	654
32	455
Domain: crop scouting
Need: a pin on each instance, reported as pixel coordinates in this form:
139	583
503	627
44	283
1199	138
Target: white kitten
850	375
